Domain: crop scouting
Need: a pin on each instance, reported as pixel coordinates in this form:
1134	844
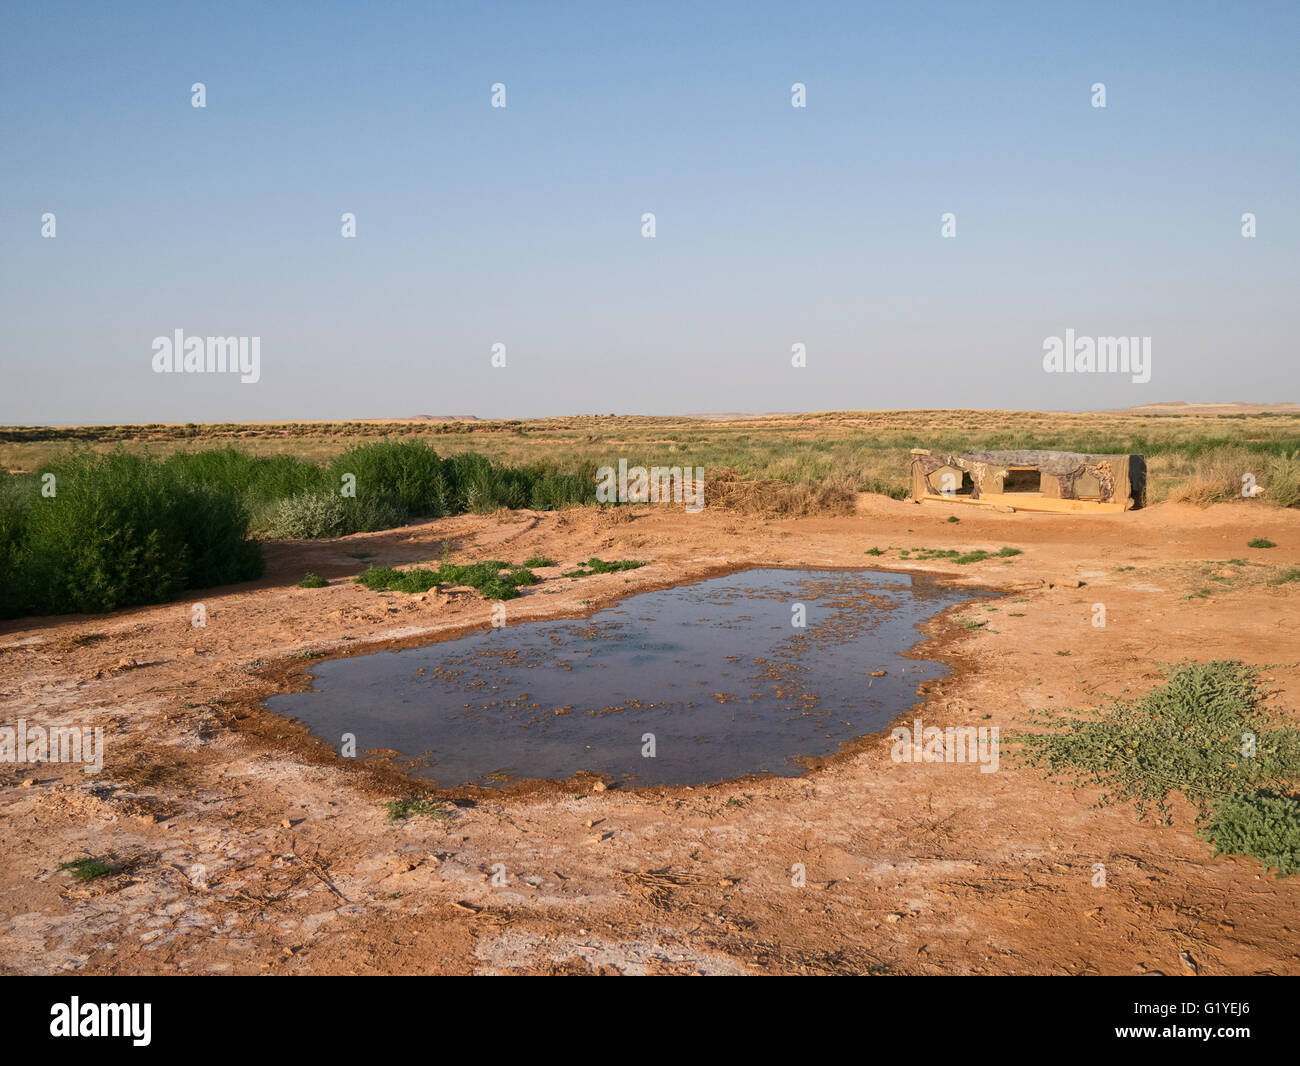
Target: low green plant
1203	734
87	869
601	566
1262	825
312	581
494	579
1260	542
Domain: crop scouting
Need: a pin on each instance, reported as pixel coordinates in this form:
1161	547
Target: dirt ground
243	845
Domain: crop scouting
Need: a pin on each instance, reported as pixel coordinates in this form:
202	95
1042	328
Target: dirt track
930	868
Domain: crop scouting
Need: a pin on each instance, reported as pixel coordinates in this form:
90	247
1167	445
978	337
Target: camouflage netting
1055	463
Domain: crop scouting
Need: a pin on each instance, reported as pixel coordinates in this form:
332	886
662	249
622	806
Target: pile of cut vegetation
780	498
1203	734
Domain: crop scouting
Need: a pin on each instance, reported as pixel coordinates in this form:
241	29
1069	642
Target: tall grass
123	529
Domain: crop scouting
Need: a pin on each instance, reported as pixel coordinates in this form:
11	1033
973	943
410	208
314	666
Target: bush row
98	532
116	530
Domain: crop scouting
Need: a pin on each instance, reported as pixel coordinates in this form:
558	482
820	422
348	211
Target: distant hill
1182	407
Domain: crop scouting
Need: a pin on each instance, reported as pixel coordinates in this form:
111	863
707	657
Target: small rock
878	673
892	917
599	786
286	824
29	782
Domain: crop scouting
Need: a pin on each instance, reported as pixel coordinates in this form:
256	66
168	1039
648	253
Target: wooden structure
1064	482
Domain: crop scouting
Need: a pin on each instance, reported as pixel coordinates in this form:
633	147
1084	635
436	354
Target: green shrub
312	581
407	472
16	497
411	473
314	515
256	480
1263	826
1260	542
119	530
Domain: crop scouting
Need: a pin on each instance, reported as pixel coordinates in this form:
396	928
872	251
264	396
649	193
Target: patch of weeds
1200	594
874	551
537	559
953	518
960	558
1291	573
312	581
1016	614
601	566
309	654
1124	569
972	623
493	579
1263	825
401	809
1260	542
87	869
925	555
1203	734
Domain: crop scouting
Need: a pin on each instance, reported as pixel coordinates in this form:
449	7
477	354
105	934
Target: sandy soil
245	846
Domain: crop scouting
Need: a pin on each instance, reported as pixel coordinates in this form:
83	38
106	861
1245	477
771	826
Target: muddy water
714	678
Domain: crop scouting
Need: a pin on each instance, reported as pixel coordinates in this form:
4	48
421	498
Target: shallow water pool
697	683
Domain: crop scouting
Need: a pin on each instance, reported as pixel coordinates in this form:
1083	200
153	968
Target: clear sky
521	225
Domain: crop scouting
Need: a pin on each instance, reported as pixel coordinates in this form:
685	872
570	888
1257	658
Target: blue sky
775	225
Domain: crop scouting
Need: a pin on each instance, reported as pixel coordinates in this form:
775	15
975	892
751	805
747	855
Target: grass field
1191	457
142	513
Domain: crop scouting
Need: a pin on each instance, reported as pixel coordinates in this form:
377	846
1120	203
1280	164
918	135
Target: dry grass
778	464
780	498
